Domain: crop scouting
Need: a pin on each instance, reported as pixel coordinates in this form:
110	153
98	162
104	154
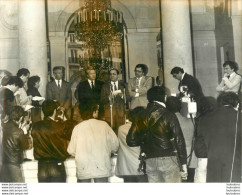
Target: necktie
137	83
228	76
114	86
59	84
92	84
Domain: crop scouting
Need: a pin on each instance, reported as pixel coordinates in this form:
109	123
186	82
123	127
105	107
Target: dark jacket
34	92
193	85
156	132
216	140
85	94
50	140
14	143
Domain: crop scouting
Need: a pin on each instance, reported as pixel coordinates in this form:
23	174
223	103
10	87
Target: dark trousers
135	179
51	172
96	180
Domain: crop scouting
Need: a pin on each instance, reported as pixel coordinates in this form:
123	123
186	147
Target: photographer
50	140
14	143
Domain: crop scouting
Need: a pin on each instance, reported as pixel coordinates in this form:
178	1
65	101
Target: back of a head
22	71
87	110
136	113
48	107
173	104
176	70
228	99
16	113
14	80
156	93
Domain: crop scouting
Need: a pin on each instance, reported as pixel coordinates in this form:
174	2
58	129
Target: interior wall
9	52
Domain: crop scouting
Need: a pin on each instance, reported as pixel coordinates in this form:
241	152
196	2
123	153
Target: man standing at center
89	90
113	93
138	86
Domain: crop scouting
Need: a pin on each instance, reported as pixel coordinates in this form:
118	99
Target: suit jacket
230	85
63	95
193	85
145	85
118	101
216	140
85	94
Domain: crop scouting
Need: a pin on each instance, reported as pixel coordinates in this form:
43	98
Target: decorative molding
9	16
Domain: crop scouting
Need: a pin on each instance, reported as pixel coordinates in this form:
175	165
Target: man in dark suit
60	90
114	93
187	83
90	90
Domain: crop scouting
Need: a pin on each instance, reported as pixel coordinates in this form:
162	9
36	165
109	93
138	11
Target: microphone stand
111	101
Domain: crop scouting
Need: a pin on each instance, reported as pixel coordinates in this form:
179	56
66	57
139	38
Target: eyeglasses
138	71
174	75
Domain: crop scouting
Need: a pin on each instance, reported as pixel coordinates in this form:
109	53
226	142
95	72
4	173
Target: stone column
237	31
176	35
32	39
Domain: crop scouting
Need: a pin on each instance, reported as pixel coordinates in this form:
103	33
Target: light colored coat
230	85
127	161
92	143
145	85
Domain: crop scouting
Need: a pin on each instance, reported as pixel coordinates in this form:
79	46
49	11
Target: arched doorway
78	56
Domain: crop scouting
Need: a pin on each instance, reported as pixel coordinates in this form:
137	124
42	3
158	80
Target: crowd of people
138	123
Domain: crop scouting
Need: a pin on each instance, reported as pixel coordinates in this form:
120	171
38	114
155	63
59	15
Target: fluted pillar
176	34
237	31
32	39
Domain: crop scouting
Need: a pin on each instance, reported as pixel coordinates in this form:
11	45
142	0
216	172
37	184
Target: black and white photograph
138	96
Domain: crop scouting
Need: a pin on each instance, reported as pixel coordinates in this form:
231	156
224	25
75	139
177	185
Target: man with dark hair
138	86
89	90
219	136
50	143
231	80
114	94
14	143
188	84
92	143
22	99
60	90
7	99
159	138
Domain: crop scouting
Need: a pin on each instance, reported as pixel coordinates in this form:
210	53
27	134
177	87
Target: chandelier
97	26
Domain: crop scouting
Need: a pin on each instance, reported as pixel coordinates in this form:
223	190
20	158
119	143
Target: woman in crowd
33	85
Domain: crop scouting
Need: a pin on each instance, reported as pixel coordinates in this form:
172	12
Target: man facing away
113	93
159	138
138	86
92	143
60	90
219	139
50	143
231	81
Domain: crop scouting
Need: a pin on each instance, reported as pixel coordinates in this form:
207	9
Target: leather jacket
50	139
155	133
14	143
